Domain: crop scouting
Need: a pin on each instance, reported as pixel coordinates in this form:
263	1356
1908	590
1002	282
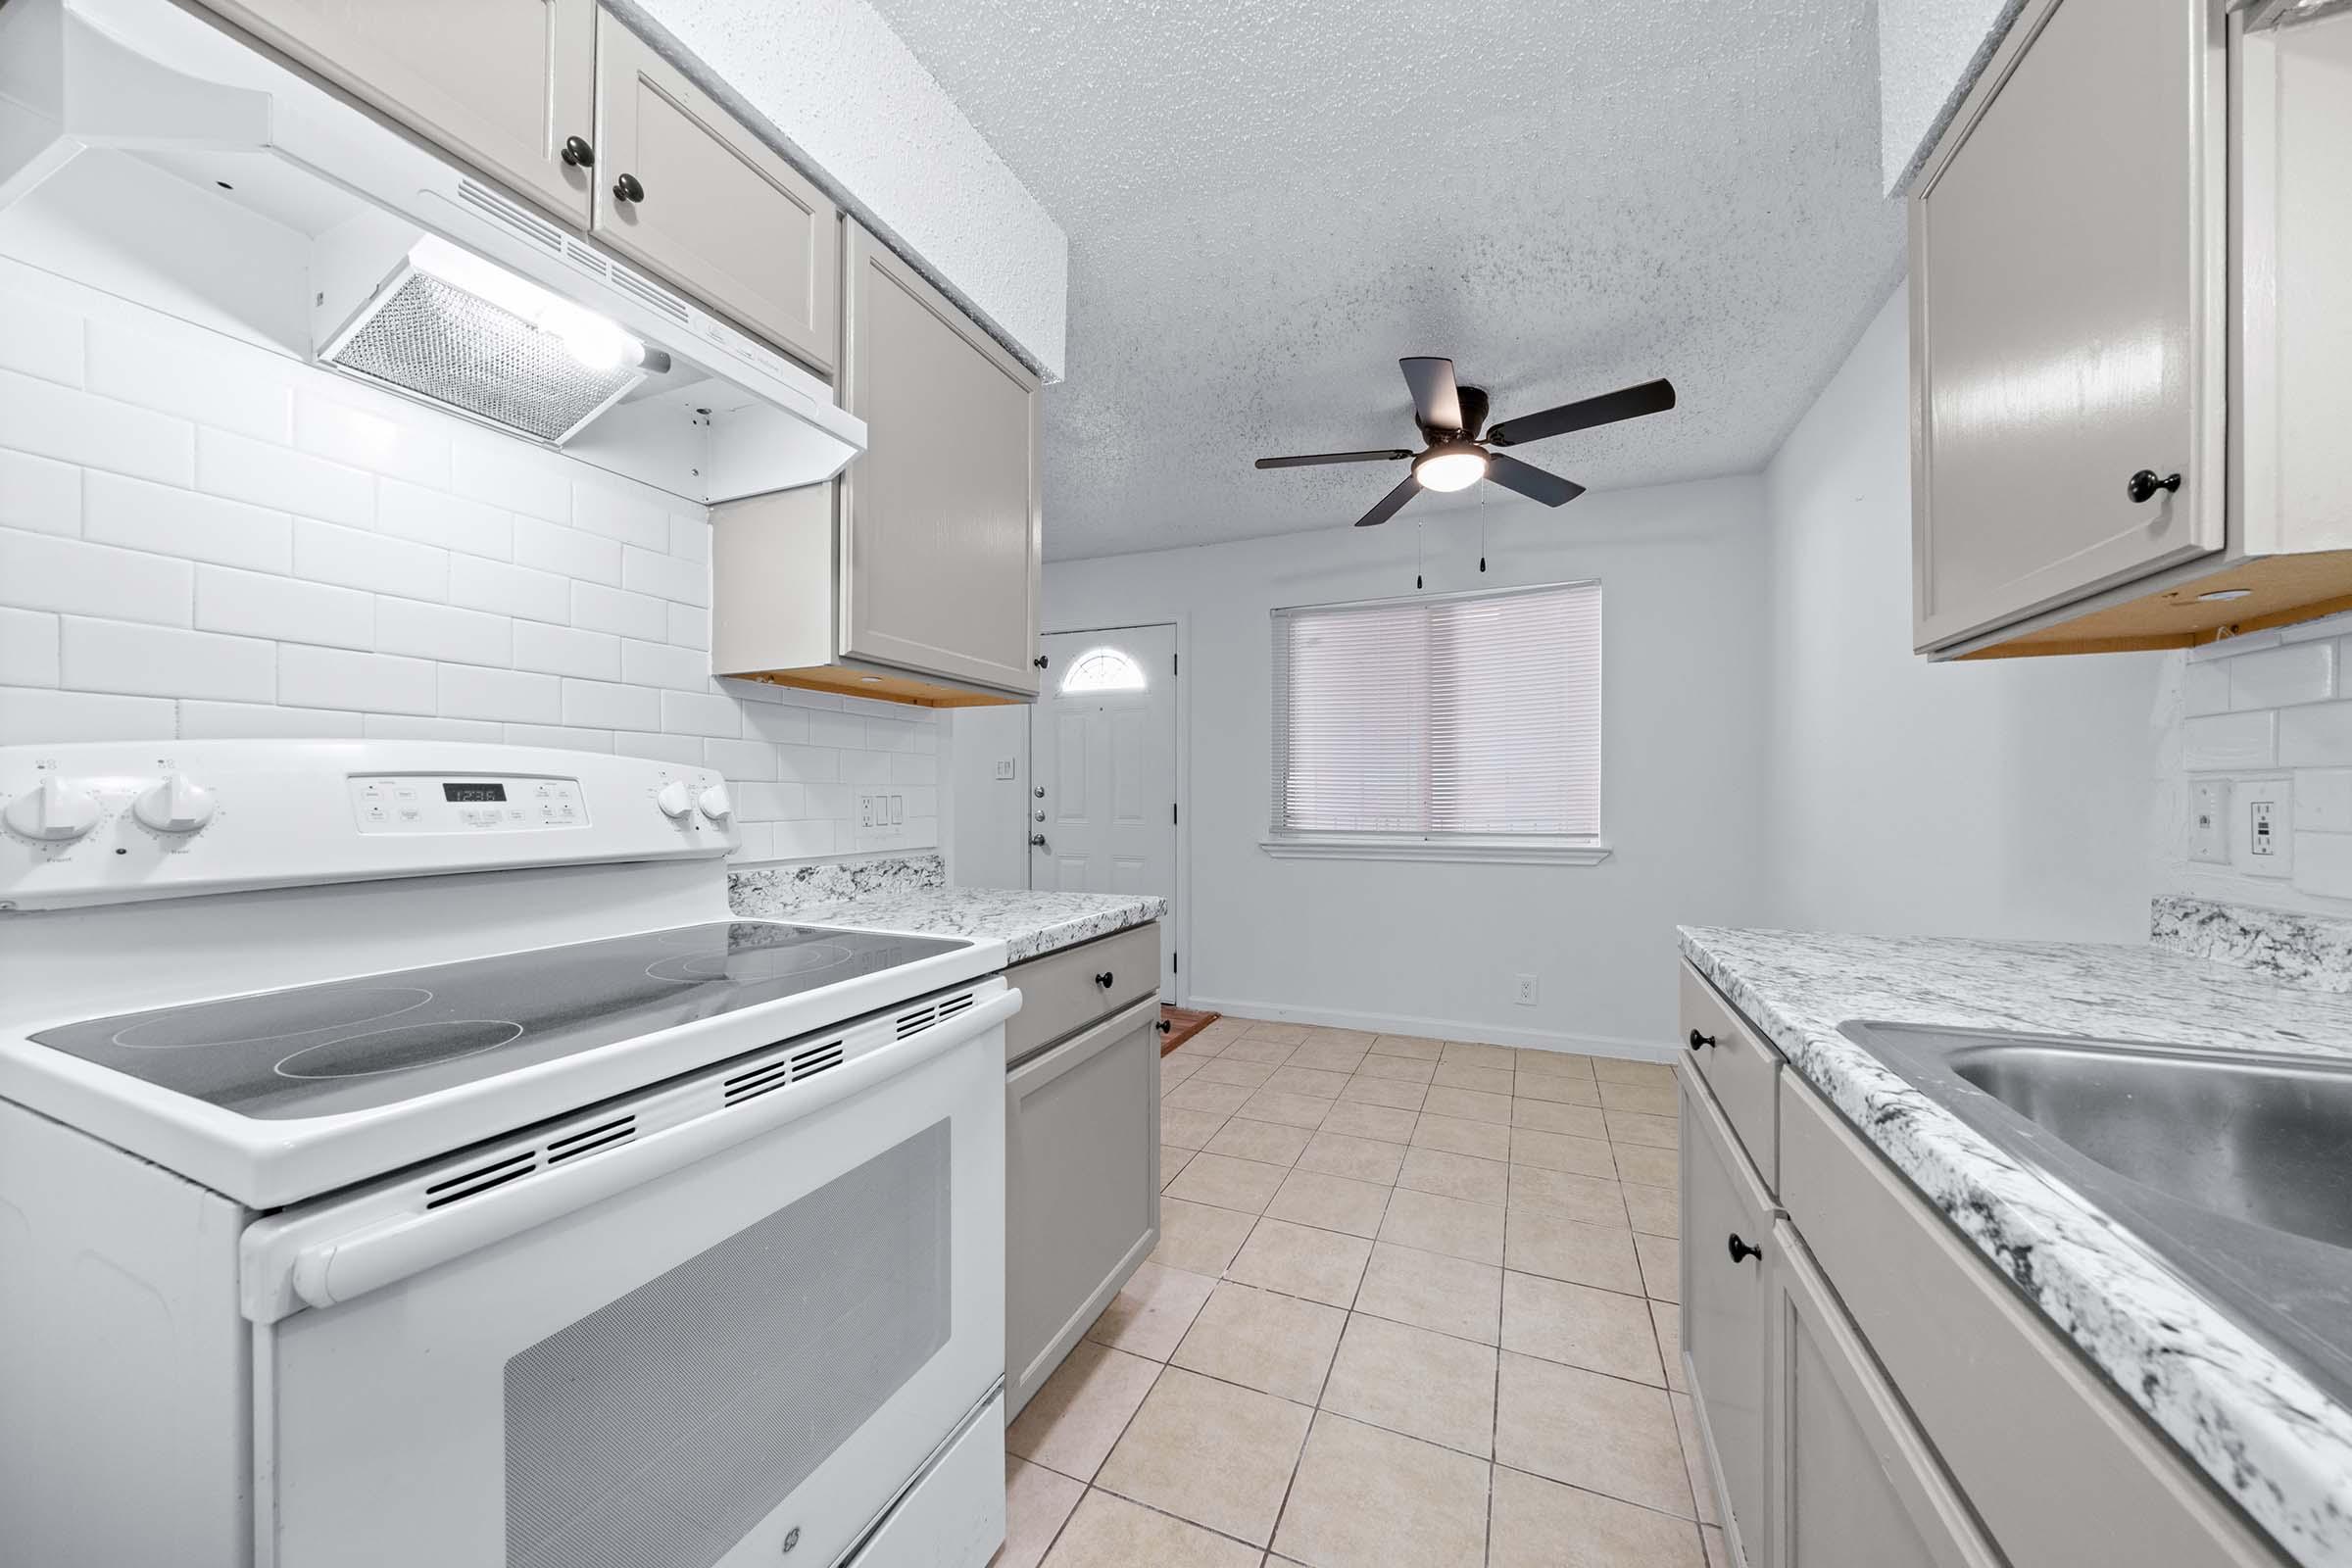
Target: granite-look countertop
911	894
2265	1433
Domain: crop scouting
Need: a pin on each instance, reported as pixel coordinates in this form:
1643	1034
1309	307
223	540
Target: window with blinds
1465	716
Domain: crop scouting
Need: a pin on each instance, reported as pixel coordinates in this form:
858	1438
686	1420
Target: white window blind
1473	715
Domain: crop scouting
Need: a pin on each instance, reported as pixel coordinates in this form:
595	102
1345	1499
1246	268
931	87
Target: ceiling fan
1455	456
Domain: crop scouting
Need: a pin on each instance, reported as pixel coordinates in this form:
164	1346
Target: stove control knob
177	804
715	805
675	800
54	811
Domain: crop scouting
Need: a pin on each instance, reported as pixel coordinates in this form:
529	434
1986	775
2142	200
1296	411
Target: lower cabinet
1081	1185
1726	1229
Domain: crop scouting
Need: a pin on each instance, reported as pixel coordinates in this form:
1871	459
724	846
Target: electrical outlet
881	819
2266	813
2208	821
1526	994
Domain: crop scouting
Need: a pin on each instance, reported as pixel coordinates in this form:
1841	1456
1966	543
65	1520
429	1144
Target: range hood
149	154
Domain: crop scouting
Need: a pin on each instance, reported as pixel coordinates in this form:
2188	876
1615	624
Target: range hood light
596	343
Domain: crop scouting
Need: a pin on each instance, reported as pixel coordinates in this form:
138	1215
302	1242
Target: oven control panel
473	803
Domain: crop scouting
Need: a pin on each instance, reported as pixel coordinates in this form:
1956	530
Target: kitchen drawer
1066	990
1738	1067
2057	1466
1724	1308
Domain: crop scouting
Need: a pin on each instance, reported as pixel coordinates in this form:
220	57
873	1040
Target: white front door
1103	755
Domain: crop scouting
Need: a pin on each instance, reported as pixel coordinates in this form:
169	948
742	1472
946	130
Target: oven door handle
340	1268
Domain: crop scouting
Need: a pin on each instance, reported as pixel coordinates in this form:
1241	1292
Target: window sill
1499	849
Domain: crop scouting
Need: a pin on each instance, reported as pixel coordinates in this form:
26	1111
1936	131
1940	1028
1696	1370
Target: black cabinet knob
1104	979
2143	485
1698	1040
1164	1026
1742	1251
626	189
577	153
1038	660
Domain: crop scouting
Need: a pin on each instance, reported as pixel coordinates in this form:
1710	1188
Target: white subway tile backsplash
690	536
686	750
2205	689
689	627
41	714
608	705
556	735
741	759
605	507
284	479
515	697
245	721
865	767
185	371
365	683
809	764
567	650
251	604
768	802
40	571
507	473
841	731
700	713
28	648
2323	864
49	420
2323	799
165	520
2229	741
754	840
505	590
686	582
39	494
403	728
145	660
442	631
772	722
621	613
807	840
436	518
36	339
352	558
379	442
681	669
913	768
2281	676
2316	736
565	552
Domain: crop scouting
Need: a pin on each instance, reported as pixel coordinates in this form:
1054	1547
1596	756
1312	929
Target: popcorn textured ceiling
1267	204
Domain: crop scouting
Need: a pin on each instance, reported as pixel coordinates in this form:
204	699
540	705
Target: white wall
1431	948
201	538
1998	798
987	836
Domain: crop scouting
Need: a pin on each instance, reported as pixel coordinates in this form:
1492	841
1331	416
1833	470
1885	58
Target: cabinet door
1081	1186
501	84
2068	279
1724	1307
941	521
1853	1483
720	213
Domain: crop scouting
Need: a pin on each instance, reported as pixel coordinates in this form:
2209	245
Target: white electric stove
406	1156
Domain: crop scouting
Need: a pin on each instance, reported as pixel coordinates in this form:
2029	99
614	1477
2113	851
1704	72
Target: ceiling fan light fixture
1450	465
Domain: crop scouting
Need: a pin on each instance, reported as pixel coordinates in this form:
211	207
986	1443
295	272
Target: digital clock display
474	792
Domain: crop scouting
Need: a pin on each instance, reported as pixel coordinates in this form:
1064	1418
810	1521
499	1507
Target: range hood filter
430	338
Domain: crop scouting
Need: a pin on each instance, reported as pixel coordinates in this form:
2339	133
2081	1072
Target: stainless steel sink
2234	1167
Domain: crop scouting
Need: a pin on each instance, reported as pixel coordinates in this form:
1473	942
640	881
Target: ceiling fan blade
1437	400
1391	504
1530	482
1383	456
1629	403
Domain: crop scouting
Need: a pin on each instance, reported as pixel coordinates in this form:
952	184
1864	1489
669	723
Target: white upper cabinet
690	192
506	85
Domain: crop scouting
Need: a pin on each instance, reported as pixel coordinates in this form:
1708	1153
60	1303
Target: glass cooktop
320	1050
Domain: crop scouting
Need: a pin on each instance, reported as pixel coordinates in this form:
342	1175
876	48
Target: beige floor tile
1579	1156
1553	1116
1384	1122
1649	1098
1654	1210
1071	1422
1405	1069
1330	1202
1248	1074
1564	1089
1471	1105
1633	1127
1482	1139
1291	1078
1462	1075
1719	1555
1589	1430
1598	1330
1174	1069
1222	1099
1269	1143
1036	1503
1649	1167
1211	1452
1541	1524
1431	1291
1587	1198
1415	1380
1365	1159
1249	1047
1694	1456
1187	1129
1237	1184
1418	1048
1109	1532
1287	1034
1448	1225
1661	1266
1397	1094
1540	1239
1353	1039
1667	1319
1291	1109
1437	1170
1332	1050
1620	1071
1369	1498
1272	1342
1553	1063
1173	1161
1199	1237
1152	1311
1302	1260
1477	1055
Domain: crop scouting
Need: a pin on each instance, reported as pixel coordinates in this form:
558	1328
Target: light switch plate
2208	821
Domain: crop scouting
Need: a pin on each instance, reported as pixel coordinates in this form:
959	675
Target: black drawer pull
1698	1040
1742	1251
1104	979
2143	485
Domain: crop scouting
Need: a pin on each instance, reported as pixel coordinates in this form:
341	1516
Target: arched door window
1103	669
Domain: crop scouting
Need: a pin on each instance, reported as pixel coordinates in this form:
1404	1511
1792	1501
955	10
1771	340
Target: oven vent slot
917	1021
816	1059
952	1006
756	1082
588	1140
481	1178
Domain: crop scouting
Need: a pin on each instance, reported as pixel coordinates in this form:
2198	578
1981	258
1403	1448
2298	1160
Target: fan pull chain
1482	530
1417	554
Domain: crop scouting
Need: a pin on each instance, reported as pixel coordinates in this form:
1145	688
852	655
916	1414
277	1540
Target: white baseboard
1443	1029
